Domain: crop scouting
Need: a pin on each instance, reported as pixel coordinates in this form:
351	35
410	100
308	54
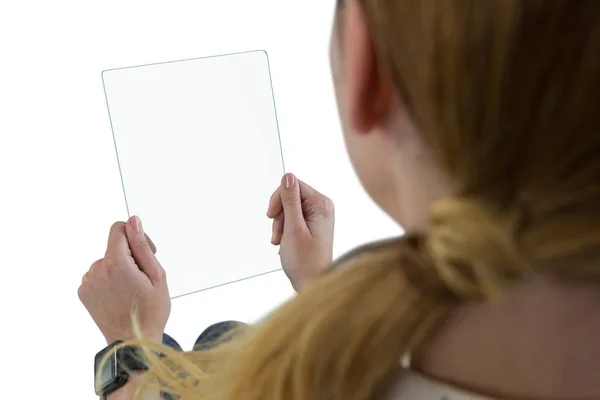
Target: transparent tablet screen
199	154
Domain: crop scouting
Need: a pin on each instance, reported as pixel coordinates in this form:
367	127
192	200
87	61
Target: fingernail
289	180
136	224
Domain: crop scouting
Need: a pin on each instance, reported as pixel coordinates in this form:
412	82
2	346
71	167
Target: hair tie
473	250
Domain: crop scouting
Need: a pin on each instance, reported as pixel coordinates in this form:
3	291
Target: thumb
292	204
141	249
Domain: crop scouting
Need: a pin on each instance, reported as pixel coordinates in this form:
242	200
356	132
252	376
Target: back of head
504	93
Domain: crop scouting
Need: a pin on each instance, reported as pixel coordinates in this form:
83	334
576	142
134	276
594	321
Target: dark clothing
208	337
207	340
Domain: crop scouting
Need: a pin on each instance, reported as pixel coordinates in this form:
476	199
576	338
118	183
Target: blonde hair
504	92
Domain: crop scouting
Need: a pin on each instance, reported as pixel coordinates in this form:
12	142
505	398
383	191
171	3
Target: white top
413	386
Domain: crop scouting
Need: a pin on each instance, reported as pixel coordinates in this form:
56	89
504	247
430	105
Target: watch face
106	372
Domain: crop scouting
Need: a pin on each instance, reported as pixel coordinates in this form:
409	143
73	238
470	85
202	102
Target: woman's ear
368	95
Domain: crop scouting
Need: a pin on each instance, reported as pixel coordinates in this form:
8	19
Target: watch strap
131	359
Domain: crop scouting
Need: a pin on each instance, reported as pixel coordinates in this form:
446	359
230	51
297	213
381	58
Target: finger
117	245
90	271
307	191
278	222
93	270
141	251
80	293
275	206
292	204
151	244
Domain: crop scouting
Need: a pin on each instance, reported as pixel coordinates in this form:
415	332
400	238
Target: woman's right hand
303	223
128	276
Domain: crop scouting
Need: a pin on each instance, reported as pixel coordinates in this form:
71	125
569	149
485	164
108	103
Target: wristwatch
115	373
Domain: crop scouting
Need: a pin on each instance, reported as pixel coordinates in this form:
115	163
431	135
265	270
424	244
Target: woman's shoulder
414	386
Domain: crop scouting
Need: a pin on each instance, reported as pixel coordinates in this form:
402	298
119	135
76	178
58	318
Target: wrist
127	392
299	283
308	277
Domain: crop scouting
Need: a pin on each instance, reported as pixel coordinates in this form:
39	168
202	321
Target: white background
59	183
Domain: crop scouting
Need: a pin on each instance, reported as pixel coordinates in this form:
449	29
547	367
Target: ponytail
345	335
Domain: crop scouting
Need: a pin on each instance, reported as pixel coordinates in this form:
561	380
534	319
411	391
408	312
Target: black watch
115	373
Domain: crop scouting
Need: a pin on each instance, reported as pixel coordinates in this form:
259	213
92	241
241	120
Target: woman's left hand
128	276
303	222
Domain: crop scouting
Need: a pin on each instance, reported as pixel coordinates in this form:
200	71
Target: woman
474	125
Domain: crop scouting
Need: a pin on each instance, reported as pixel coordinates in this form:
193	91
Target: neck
541	341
